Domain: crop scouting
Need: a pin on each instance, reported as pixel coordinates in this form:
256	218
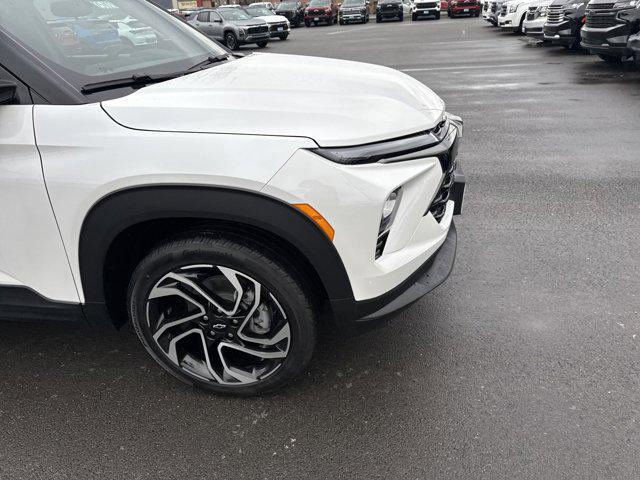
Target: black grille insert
600	20
380	244
448	164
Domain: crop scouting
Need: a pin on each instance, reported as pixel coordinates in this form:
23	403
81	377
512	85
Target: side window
22	97
215	17
203	17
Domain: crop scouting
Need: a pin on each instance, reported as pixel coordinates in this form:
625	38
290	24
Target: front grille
601	21
555	14
260	29
601	6
448	164
427	5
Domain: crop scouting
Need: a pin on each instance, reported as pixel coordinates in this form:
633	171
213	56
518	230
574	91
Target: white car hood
273	18
334	102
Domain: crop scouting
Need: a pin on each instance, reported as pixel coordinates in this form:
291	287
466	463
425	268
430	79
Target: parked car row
330	12
607	28
235	26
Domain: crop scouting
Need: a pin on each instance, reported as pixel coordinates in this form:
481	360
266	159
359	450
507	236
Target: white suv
172	187
513	14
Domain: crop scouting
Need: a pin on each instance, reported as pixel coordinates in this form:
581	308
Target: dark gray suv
232	26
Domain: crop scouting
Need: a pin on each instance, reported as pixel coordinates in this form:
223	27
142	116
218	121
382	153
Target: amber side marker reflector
319	220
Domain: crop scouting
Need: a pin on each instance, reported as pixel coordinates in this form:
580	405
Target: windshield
231	14
319	3
287	6
87	41
351	3
259	12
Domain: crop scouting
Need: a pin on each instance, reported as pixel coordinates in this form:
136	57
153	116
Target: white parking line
469	67
351	30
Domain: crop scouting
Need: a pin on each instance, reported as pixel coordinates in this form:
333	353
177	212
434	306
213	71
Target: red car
325	11
464	7
444	5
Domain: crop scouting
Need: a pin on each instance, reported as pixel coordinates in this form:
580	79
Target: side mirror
8	92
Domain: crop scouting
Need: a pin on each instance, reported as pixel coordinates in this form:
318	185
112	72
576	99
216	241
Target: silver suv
232	26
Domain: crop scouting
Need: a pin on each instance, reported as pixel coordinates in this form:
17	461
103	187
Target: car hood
273	18
333	102
253	22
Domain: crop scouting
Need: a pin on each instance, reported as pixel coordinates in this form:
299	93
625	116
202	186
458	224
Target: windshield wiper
132	81
140	80
209	61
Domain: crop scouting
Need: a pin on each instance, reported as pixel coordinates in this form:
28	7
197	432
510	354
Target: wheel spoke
191	284
173	355
241	375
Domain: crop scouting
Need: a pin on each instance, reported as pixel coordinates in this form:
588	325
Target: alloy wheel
218	325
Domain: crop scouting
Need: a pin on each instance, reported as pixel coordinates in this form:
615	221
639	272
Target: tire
263	44
414	17
231	41
175	327
284	37
307	24
610	58
341	22
437	15
401	17
378	19
449	14
636	60
520	27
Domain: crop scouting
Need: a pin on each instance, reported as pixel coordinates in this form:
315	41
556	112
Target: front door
32	256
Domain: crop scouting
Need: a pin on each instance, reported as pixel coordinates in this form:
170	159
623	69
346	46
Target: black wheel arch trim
123	209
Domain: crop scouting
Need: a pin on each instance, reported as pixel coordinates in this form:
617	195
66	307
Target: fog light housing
389	211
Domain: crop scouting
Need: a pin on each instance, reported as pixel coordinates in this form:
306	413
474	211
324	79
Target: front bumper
462	9
254	38
534	28
428	277
564	33
395	13
607	41
425	12
319	17
342	193
275	32
507	21
352	16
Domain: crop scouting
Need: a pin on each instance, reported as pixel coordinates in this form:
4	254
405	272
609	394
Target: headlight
514	8
420	145
627	4
241	31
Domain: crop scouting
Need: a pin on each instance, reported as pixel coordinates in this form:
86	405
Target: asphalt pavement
524	365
